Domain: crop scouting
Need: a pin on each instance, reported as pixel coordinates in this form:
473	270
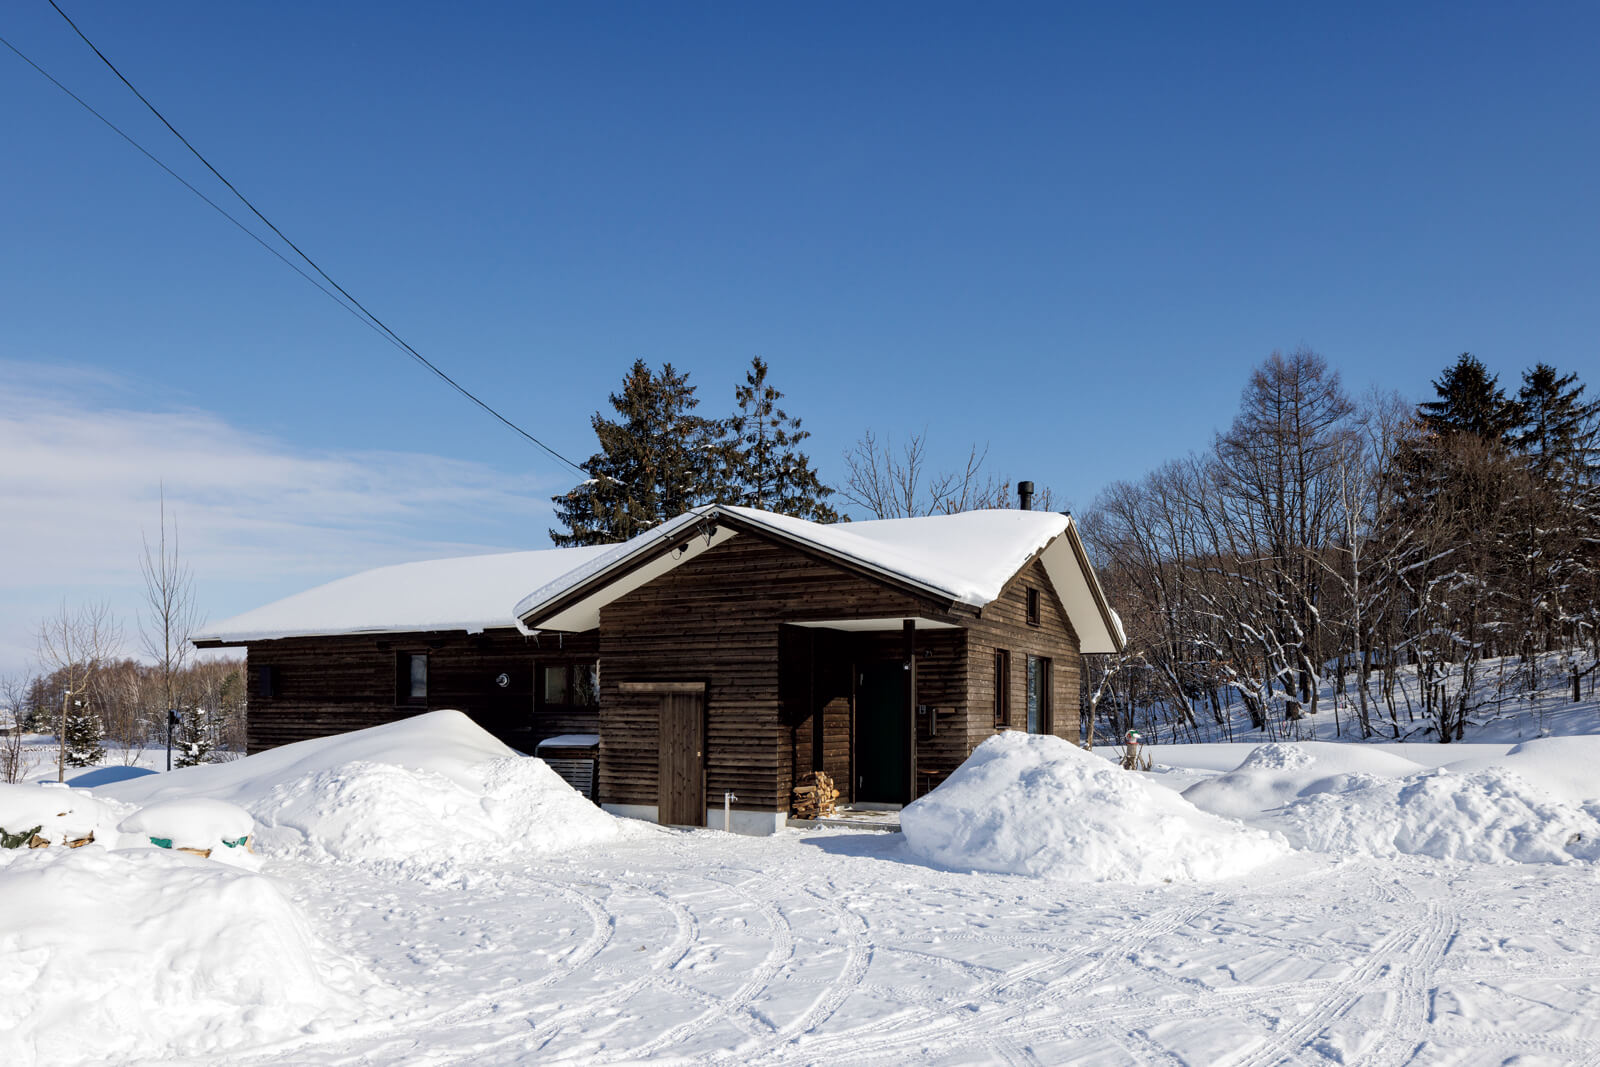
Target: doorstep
847	817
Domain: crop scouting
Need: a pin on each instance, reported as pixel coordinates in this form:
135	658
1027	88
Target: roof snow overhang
573	602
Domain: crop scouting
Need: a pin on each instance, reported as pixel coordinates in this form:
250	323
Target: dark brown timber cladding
328	685
1004	624
717	619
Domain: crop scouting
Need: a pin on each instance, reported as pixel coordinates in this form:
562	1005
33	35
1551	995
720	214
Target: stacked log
814	795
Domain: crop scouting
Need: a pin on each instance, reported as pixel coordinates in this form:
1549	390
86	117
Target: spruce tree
1470	401
82	739
194	738
1558	430
764	467
656	461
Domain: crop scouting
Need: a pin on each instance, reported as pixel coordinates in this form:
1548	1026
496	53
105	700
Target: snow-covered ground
550	933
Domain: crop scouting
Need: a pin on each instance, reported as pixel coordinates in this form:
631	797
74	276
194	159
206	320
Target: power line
355	307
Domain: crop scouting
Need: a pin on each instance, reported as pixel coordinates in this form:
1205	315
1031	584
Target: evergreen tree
763	466
1558	430
656	461
194	738
1470	401
82	739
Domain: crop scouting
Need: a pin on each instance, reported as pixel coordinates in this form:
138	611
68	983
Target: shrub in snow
1486	816
1041	806
142	954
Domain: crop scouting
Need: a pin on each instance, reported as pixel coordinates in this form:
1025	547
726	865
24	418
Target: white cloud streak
83	462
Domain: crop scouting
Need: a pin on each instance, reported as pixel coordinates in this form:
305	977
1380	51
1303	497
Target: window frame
542	706
405	694
1002	688
1035	607
1042	668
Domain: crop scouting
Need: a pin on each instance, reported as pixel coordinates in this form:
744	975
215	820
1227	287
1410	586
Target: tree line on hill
1322	539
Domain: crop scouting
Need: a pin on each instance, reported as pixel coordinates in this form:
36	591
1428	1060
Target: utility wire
375	322
219	209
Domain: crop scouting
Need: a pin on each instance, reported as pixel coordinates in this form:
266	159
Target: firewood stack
814	796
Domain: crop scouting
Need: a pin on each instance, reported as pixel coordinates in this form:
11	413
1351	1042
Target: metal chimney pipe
1025	495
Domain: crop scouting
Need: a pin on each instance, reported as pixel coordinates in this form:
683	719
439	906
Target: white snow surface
471	593
194	822
424	791
1036	805
383	813
62	814
1370	801
116	956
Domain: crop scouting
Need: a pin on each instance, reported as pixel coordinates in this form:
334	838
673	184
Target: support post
909	629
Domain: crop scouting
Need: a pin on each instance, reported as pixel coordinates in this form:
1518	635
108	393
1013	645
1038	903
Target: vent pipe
1025	495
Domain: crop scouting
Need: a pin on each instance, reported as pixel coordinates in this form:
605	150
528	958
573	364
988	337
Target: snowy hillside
424	896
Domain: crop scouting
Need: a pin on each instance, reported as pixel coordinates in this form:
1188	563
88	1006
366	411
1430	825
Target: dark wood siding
328	685
717	619
1004	624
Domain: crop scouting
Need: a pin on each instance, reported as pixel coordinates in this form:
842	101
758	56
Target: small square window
1033	607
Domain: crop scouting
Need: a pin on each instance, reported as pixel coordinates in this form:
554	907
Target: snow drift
144	953
1353	800
59	814
430	789
1024	804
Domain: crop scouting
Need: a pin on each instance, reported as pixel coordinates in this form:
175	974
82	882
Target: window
266	681
411	678
569	686
1038	695
1033	607
1002	689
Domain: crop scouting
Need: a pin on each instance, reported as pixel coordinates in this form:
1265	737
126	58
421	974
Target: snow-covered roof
967	558
471	593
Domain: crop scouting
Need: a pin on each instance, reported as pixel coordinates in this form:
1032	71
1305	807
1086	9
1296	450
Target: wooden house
728	651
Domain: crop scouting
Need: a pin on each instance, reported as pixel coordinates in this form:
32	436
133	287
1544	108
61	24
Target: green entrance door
882	741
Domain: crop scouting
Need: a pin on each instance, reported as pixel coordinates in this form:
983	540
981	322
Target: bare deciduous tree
75	646
896	483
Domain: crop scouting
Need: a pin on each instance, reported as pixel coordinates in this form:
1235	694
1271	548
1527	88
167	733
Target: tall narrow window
411	678
1002	688
1033	607
1038	695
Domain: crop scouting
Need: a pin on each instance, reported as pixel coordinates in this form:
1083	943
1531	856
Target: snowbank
1041	806
1275	774
428	789
1363	800
1485	816
111	956
61	814
213	826
380	812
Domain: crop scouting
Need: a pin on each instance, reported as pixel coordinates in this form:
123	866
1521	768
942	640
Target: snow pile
1276	774
1485	816
215	826
112	956
1024	804
381	812
59	814
429	789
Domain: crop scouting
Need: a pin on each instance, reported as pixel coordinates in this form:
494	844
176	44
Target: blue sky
1068	233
